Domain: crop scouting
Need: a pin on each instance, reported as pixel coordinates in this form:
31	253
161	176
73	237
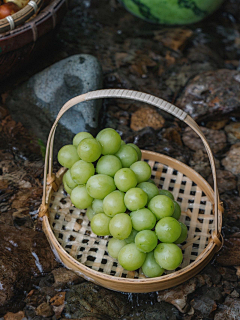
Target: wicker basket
68	229
19	46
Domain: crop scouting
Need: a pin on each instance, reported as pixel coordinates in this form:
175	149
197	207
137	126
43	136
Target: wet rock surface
195	67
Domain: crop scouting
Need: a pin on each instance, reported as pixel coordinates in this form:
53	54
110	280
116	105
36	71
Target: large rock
211	94
37	102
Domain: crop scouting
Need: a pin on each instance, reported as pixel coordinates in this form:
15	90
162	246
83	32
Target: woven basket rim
210	248
31	21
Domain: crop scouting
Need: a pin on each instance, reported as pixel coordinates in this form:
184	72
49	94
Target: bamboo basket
20	45
79	249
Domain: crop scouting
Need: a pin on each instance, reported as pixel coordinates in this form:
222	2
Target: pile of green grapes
108	178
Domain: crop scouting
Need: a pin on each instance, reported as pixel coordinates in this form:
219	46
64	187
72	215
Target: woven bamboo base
72	229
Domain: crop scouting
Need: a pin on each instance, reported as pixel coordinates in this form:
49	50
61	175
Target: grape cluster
108	178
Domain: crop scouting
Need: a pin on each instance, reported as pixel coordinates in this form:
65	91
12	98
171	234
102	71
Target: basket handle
139	96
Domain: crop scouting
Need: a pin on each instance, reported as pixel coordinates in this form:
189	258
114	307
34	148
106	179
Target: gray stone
233	132
37	102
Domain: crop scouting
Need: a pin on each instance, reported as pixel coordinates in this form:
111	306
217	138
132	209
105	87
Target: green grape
122	142
81	171
177	210
80	197
66	187
151	181
139	153
100	224
113	203
90	213
150	189
168	229
125	179
114	246
168	255
143	219
142	170
120	226
69	181
109	165
110	141
132	236
150	267
97	206
89	149
162	206
100	185
127	155
183	235
80	136
130	257
67	156
166	193
135	198
146	240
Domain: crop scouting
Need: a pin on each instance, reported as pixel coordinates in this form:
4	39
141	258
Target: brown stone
45	310
146	117
217	125
58	299
225	179
233	132
230	254
211	94
216	139
232	160
63	276
14	316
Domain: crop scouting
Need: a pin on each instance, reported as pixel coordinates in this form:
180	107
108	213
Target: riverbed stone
233	132
232	160
225	179
37	102
212	94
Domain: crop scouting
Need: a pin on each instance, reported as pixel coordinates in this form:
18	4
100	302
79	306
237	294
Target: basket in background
68	229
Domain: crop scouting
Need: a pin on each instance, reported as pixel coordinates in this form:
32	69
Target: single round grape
130	257
177	210
81	171
139	153
100	224
67	156
142	170
125	179
90	213
89	149
132	236
120	226
100	185
183	235
69	181
150	189
80	197
113	203
97	206
168	229
150	267
135	198
162	206
166	193
109	165
127	155
110	141
80	136
143	219
168	255
66	187
146	240
114	246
